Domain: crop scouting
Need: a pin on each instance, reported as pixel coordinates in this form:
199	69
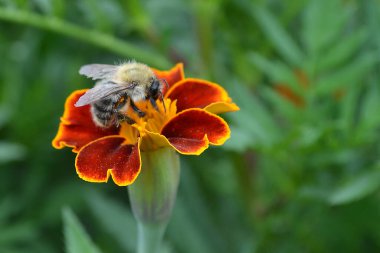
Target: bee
117	88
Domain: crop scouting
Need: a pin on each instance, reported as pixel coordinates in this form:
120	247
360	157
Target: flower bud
153	194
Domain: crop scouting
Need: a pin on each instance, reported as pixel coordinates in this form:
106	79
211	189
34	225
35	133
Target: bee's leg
122	117
136	109
153	102
162	99
121	103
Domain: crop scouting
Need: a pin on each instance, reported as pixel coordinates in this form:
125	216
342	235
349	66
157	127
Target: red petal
197	93
188	146
77	128
171	76
191	130
109	156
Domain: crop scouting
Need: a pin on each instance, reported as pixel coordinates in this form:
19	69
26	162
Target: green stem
153	195
92	37
149	237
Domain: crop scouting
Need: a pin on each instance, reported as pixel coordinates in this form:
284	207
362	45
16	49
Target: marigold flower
188	124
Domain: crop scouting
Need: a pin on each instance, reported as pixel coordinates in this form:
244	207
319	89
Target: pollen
153	121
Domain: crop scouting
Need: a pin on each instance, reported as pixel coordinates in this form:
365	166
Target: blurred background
301	172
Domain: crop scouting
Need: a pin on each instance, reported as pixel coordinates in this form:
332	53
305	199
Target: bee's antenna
162	95
166	83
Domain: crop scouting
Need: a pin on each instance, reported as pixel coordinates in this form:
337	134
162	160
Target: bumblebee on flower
119	87
168	111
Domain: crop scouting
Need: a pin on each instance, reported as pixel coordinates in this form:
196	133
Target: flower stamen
152	122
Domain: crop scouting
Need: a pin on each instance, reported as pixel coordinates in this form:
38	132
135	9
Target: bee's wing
101	90
98	71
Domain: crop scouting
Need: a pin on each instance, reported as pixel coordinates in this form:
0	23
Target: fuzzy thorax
134	73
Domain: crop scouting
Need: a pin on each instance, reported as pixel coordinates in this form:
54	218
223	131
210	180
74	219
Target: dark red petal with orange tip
107	156
77	127
188	146
171	76
190	131
197	93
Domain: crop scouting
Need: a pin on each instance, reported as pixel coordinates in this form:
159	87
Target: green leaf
308	135
7	207
94	37
103	15
340	52
5	114
348	109
280	39
59	8
45	6
253	119
192	239
249	125
261	133
11	152
17	233
346	76
322	25
282	105
241	139
356	188
76	238
115	218
370	117
278	72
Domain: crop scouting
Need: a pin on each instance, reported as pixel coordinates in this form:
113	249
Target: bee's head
154	89
155	92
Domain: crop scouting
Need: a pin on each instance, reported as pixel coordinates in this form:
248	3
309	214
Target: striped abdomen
103	111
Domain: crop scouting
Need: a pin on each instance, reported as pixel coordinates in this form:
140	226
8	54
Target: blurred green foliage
301	172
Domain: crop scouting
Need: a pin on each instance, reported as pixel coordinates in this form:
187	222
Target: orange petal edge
109	171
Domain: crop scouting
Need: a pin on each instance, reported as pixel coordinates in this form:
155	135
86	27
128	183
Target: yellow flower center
152	122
